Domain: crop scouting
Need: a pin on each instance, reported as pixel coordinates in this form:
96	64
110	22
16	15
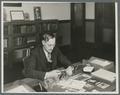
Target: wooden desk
110	88
34	82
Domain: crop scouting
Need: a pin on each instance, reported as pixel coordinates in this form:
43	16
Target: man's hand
69	70
53	74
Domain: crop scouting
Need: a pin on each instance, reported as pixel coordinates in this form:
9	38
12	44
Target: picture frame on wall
37	13
17	15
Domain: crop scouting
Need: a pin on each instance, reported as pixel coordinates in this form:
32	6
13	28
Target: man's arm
30	68
62	59
66	63
30	65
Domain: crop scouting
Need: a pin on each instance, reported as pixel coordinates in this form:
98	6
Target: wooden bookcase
21	36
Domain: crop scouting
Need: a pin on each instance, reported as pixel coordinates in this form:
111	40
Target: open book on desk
72	84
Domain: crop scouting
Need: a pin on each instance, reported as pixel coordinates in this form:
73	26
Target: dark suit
36	65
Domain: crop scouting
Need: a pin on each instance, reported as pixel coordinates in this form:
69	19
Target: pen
40	86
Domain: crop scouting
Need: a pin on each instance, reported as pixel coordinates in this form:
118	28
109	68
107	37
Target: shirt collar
46	53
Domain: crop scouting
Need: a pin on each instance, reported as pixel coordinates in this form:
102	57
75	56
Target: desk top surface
89	84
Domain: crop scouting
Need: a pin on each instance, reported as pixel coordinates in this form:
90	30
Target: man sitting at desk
45	59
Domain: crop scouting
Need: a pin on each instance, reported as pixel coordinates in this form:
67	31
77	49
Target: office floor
15	73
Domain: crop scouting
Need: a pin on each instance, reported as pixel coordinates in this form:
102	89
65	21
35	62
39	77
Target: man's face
49	45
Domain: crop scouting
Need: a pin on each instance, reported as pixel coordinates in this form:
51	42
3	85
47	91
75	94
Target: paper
100	62
104	74
94	90
103	85
19	89
73	84
81	77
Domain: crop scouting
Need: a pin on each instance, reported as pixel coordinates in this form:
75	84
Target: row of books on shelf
5	30
24	29
19	41
5	43
21	29
18	54
24	40
49	26
21	53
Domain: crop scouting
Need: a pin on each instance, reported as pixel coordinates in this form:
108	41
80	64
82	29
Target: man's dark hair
47	35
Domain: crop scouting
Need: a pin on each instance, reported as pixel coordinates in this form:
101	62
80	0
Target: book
104	75
18	41
31	39
17	29
21	53
101	63
5	43
33	29
23	29
5	30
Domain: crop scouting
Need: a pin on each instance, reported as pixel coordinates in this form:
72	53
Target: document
100	62
18	89
105	75
72	84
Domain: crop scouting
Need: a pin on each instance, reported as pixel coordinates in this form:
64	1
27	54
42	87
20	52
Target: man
44	60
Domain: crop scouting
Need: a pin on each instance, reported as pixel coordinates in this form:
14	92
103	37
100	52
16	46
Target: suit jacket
36	65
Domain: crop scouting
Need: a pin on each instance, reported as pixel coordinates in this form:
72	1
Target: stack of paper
101	63
105	75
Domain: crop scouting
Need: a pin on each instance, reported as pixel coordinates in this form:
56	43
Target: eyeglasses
50	45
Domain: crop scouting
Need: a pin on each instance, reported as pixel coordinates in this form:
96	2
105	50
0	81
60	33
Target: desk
56	88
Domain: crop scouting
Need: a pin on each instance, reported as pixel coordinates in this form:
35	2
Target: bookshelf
21	36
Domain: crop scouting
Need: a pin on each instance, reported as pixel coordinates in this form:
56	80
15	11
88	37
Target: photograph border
117	21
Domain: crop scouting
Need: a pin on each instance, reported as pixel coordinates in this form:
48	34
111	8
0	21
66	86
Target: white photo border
116	45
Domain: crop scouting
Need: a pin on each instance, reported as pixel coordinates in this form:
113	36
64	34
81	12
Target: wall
59	11
90	31
90	10
90	22
65	33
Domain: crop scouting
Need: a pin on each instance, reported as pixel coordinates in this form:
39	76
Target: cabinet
21	36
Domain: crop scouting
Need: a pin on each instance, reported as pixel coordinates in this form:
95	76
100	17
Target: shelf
18	60
20	22
25	34
6	51
25	46
6	37
20	35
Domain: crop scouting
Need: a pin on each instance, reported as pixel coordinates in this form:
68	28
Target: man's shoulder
56	49
36	49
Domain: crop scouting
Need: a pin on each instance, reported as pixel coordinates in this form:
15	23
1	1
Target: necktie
49	57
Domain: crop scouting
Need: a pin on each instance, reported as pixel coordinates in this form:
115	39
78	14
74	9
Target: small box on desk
105	75
101	63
